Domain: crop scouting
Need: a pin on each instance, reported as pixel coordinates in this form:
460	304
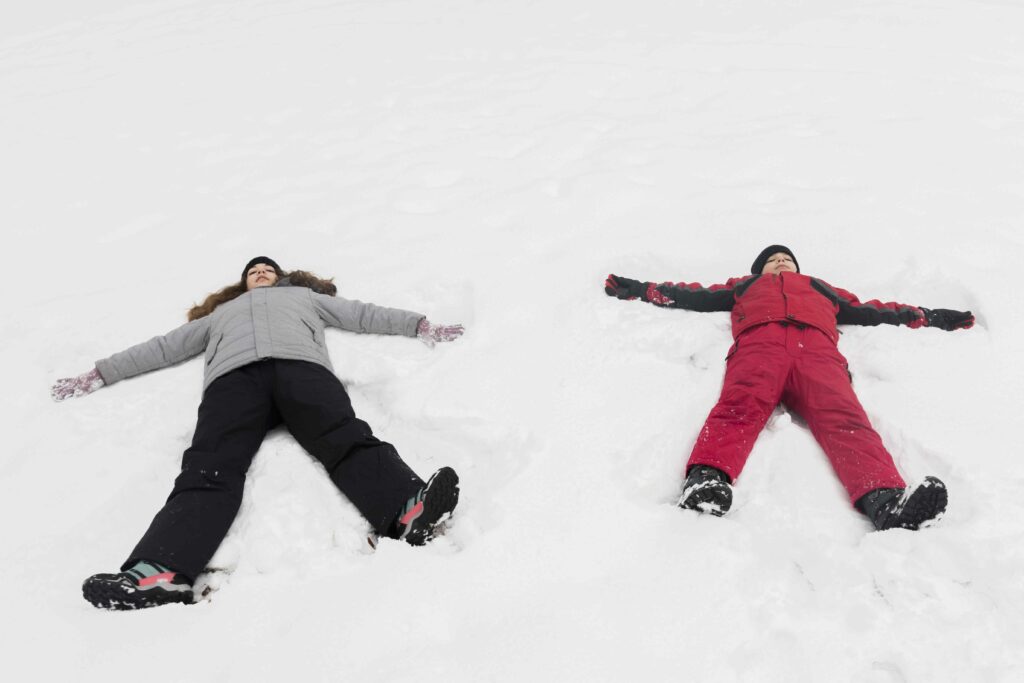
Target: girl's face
260	275
777	263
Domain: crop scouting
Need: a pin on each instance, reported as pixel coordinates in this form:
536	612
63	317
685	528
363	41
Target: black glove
946	319
624	288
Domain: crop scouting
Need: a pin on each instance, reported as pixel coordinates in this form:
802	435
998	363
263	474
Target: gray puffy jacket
266	322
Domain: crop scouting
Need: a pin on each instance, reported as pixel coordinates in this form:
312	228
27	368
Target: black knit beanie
762	258
261	259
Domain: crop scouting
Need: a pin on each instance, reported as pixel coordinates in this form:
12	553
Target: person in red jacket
785	335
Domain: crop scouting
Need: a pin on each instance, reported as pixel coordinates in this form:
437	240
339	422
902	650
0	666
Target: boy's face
777	263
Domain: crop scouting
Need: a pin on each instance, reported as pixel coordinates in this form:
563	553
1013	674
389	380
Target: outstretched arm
159	352
356	316
852	311
691	296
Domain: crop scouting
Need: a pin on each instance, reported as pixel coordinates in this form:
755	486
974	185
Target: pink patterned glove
85	383
429	333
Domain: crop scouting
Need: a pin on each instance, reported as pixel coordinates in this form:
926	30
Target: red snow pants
801	367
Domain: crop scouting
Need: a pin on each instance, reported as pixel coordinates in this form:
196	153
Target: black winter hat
762	258
260	259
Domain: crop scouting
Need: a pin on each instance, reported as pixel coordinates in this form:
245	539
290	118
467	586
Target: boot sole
439	500
115	595
714	498
926	503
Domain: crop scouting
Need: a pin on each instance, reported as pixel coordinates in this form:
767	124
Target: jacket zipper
785	299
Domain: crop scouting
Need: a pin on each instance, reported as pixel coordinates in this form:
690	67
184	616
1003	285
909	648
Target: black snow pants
236	412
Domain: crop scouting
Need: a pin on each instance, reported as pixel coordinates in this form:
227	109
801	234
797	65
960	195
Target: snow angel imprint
266	364
785	335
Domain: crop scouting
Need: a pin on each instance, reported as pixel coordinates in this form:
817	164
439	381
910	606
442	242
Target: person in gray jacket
265	364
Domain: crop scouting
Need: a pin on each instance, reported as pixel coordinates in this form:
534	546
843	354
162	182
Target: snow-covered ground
488	163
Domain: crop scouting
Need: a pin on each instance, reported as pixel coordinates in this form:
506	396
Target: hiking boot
706	490
146	584
424	512
905	509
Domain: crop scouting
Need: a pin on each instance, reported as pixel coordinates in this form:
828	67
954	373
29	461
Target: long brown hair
295	278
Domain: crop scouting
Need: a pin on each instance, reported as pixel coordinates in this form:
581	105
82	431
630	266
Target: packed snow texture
489	163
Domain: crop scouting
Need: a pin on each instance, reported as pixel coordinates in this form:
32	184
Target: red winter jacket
786	297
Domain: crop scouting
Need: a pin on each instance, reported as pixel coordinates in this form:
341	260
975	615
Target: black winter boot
706	489
905	509
424	512
145	584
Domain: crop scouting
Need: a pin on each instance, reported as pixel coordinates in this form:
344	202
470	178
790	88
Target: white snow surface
488	163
